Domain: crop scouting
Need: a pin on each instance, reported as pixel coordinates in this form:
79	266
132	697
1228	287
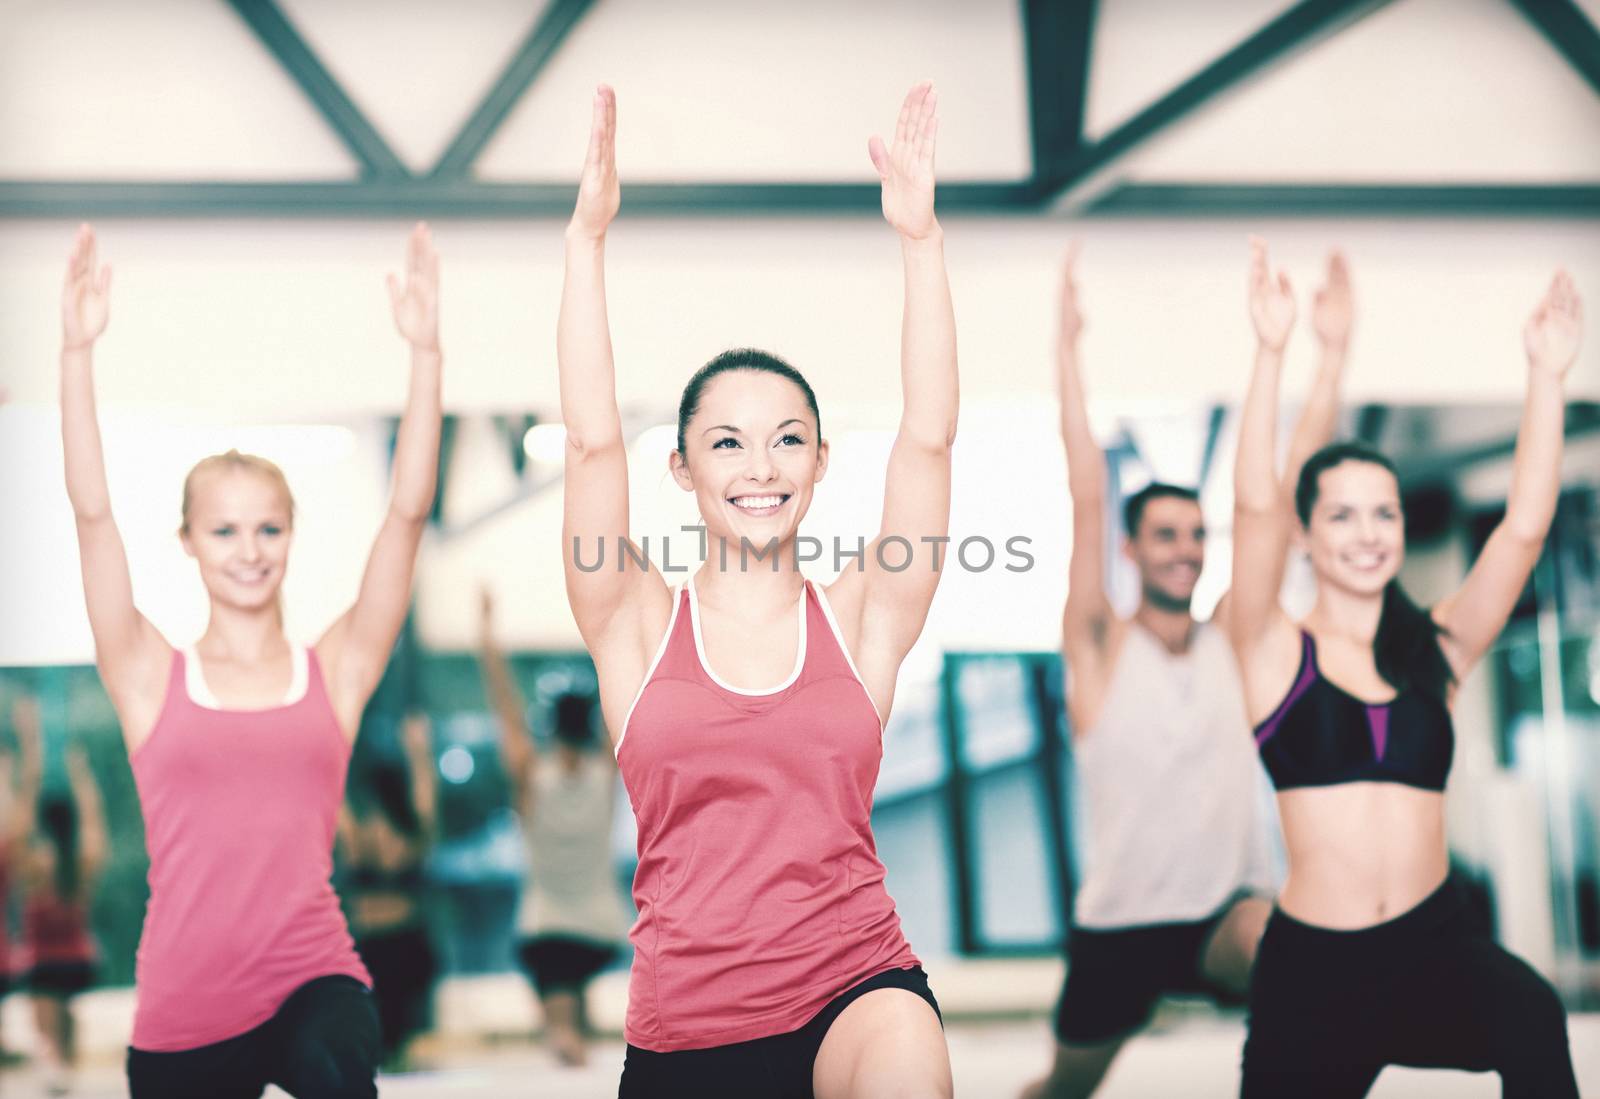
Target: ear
822	461
678	466
186	542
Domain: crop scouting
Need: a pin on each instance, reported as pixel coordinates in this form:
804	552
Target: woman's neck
1346	614
246	636
751	589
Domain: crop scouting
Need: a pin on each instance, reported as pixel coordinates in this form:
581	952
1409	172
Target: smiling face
1169	548
238	530
751	456
1355	532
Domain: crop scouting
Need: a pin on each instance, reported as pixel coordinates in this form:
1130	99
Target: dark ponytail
740	358
1406	648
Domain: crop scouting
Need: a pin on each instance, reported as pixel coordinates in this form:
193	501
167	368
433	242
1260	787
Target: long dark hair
58	824
1406	648
740	358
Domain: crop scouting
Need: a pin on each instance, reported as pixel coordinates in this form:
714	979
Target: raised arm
1474	616
30	767
1332	317
916	503
130	654
595	475
1086	620
1261	523
356	648
517	752
416	739
93	842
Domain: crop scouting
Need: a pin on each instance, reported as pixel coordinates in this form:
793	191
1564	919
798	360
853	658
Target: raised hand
1333	311
906	169
599	194
85	295
1272	306
1553	333
416	302
1071	315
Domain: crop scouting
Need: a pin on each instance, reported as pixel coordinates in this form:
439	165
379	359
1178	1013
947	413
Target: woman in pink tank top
246	974
748	705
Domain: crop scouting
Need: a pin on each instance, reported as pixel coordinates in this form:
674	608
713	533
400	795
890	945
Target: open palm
86	293
1552	334
416	301
1333	312
906	168
599	194
1272	308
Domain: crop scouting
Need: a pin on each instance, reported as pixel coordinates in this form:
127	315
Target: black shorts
1115	977
323	1042
60	978
563	963
778	1067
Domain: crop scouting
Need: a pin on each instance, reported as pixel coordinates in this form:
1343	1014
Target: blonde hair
231	462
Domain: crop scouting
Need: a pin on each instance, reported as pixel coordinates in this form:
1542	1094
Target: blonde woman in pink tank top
768	957
246	973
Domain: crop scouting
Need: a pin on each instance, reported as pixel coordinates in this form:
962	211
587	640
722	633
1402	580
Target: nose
760	467
250	548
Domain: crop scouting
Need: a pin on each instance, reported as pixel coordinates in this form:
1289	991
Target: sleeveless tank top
1322	735
760	892
239	810
1172	796
56	931
571	889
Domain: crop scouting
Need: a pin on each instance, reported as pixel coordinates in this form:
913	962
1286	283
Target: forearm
1320	415
1536	469
929	380
1086	464
416	452
80	437
583	347
1255	484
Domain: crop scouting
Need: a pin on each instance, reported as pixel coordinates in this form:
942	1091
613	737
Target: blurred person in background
63	859
386	843
571	919
239	744
20	777
1372	955
1176	854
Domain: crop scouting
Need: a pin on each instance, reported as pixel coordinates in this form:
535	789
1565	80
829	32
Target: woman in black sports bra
1371	958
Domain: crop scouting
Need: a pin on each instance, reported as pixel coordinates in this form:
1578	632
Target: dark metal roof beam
269	23
1569	31
536	50
1145	200
1058	35
1294	29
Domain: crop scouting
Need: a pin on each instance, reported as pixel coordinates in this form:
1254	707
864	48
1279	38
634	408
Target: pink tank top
239	812
759	889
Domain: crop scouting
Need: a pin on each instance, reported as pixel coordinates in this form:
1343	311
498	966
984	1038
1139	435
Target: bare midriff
1361	853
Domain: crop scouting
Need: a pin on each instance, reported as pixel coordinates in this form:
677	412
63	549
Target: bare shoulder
625	650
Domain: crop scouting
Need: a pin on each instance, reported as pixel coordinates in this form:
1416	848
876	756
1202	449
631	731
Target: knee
1532	1023
320	1069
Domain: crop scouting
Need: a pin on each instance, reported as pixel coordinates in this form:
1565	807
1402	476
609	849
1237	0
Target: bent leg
327	1041
1231	950
888	1044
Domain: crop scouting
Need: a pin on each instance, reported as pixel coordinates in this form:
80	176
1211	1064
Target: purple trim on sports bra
1302	684
1378	722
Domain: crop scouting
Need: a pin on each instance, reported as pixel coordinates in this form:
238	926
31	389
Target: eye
1388	515
271	530
223	532
1339	515
727	442
791	439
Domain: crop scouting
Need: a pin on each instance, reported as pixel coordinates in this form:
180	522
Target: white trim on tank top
200	693
838	636
705	665
661	650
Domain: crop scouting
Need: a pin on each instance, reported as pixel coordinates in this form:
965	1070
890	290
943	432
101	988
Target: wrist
1265	349
426	350
930	241
585	236
1538	368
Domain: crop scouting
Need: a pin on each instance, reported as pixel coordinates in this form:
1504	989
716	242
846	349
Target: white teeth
756	503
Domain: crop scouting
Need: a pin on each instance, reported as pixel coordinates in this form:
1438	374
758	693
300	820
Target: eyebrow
736	431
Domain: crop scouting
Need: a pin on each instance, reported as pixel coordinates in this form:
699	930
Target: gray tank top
1172	799
571	888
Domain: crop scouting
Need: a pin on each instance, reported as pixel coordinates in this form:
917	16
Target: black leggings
322	1044
1428	989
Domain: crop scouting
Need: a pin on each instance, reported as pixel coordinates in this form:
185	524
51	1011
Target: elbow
583	444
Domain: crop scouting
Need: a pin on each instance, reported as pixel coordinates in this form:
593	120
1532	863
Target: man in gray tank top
1175	875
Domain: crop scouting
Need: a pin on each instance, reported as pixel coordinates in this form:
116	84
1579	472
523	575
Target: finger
902	124
597	125
1338	269
608	135
1283	283
1070	261
880	157
103	283
931	143
929	129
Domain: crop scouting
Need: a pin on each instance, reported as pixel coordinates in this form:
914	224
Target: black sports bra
1321	735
